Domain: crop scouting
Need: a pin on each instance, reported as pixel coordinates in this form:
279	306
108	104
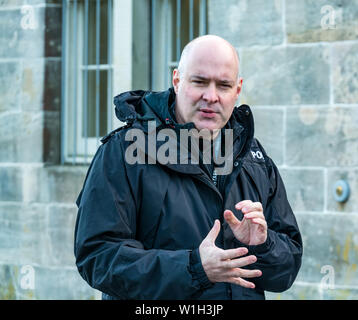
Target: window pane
97	119
94	21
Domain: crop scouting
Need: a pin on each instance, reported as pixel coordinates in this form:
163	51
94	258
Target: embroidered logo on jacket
257	155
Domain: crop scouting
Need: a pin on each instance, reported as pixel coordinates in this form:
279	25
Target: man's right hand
221	266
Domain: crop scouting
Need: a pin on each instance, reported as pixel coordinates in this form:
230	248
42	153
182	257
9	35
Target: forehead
212	61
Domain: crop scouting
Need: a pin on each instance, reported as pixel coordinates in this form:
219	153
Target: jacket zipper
215	177
209	182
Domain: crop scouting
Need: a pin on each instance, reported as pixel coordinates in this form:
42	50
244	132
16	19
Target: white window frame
75	147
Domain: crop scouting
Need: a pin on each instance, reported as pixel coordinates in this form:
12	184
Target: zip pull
169	122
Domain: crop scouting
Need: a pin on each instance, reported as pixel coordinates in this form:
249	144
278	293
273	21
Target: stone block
11	184
37	234
349	175
31	33
51	138
41	85
247	23
9	124
21	35
52	85
24	238
345	74
29	138
61	284
21	137
60	184
330	247
8	282
64	183
10	242
53	31
285	75
298	291
10	86
321	20
60	230
269	131
33	84
16	3
340	294
305	189
322	136
46	283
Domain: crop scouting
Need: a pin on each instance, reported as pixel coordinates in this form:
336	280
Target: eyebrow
206	79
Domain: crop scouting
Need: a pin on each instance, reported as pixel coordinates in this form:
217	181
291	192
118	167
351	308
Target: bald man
158	219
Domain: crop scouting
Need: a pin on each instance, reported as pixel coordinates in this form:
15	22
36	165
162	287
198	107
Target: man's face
208	89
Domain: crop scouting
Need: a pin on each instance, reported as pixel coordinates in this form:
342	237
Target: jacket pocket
150	220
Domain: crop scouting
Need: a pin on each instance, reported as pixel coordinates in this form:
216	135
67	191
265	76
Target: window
174	24
90	72
112	46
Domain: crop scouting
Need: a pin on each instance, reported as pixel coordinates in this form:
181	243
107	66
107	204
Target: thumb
230	218
214	232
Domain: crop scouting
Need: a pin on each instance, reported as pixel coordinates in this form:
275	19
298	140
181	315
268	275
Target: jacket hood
139	107
143	105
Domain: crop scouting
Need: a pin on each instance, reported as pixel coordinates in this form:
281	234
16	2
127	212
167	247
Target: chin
209	126
212	129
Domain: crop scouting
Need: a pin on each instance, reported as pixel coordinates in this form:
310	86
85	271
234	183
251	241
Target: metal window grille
86	77
173	23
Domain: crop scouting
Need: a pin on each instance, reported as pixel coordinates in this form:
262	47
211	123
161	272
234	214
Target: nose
210	94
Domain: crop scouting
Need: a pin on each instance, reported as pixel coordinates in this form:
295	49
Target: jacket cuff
197	271
263	247
260	248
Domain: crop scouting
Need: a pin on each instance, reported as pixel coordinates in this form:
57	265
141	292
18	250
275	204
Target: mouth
207	113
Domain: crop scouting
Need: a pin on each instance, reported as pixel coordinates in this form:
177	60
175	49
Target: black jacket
139	226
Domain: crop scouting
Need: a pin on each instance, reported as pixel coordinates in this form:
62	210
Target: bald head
206	83
211	42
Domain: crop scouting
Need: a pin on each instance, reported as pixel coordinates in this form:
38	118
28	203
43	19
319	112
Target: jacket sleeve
279	258
108	255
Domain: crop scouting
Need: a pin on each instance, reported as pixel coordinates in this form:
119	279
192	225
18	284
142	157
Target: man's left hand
252	229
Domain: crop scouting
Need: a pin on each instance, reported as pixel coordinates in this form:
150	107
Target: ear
239	86
176	80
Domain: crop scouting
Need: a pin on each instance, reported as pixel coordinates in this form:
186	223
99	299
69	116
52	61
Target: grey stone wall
37	210
299	62
300	76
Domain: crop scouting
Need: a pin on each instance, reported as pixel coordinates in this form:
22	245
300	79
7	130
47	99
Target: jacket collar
137	108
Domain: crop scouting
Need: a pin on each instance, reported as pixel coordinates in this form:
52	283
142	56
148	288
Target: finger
243	283
260	222
231	219
240	262
214	232
243	273
246	273
242	203
253	206
233	253
254	214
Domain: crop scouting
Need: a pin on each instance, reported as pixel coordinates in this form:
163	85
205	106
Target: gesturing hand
252	229
221	266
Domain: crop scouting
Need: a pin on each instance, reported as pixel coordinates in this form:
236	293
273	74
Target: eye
225	86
